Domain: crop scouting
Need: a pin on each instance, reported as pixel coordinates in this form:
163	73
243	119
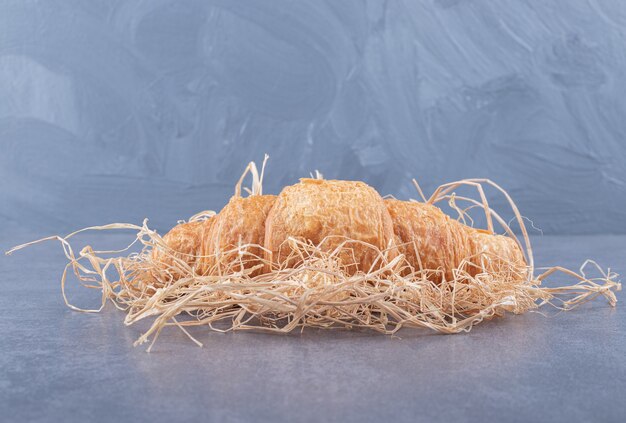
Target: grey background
120	110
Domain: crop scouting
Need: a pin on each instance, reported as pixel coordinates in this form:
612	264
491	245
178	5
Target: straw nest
328	254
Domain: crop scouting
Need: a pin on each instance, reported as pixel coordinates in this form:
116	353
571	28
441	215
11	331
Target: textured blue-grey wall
116	110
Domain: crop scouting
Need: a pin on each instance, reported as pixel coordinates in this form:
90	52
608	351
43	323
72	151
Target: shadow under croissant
316	287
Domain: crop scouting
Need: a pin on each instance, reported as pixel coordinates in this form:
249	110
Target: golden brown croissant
251	231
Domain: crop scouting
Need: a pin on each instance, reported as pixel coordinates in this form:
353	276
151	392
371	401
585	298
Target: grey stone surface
63	366
111	110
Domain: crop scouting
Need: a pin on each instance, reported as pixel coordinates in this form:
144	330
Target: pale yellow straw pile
318	292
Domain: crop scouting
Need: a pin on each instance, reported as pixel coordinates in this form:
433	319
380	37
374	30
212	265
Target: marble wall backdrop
120	110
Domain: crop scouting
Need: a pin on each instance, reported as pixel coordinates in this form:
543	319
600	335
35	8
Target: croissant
348	216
